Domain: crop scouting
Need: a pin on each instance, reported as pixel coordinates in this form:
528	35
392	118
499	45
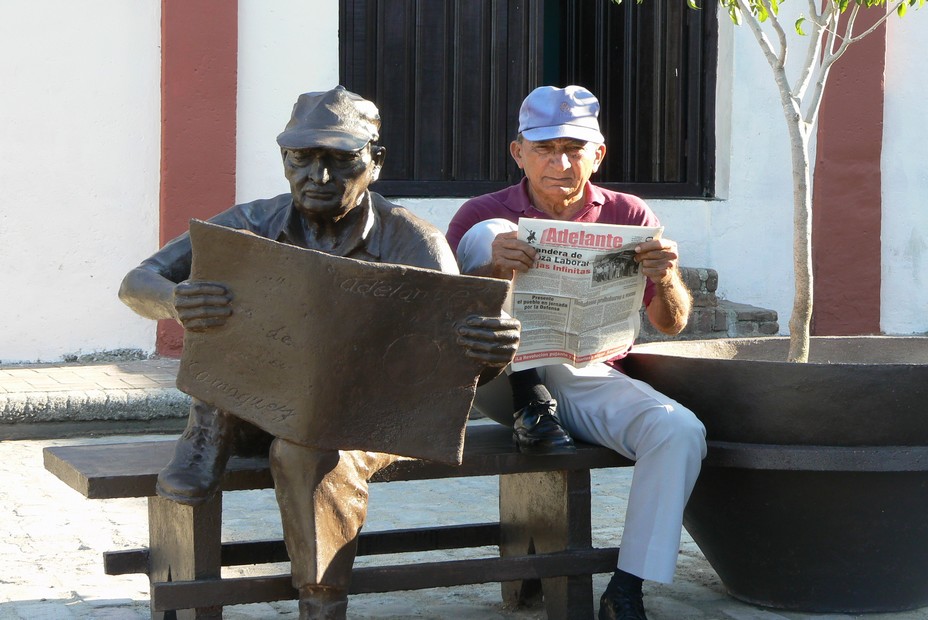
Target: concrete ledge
36	415
113	396
87	405
92	428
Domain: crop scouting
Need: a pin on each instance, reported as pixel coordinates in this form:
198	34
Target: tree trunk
801	317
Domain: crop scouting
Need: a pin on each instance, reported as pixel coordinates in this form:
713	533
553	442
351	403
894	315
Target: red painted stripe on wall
848	190
199	59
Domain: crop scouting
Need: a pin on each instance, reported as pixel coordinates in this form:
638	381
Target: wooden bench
543	534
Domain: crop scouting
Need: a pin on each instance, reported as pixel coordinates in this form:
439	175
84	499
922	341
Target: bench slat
371	579
134	561
105	471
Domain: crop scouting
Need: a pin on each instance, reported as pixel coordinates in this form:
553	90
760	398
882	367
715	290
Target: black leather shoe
537	430
618	603
200	457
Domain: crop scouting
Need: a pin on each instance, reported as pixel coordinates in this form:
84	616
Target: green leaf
692	4
799	23
760	10
735	13
903	7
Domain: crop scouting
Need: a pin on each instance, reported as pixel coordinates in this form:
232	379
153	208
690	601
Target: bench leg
185	543
542	513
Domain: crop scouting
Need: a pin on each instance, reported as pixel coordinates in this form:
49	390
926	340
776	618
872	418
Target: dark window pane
449	76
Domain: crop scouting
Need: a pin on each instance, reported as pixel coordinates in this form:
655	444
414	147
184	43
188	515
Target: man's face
327	182
557	171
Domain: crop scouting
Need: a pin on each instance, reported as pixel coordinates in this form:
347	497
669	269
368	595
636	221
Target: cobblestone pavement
52	538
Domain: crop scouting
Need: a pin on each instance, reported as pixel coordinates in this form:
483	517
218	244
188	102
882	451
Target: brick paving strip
110	396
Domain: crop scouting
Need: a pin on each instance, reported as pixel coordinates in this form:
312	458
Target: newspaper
336	353
580	303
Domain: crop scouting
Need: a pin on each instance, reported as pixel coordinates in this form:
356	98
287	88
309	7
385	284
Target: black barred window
449	76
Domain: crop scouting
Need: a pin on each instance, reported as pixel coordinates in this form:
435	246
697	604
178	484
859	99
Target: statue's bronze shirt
390	234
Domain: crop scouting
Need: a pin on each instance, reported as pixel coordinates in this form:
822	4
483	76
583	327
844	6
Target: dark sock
527	388
626	581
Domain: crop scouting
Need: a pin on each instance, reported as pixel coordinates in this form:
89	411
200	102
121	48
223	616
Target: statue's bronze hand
490	340
202	305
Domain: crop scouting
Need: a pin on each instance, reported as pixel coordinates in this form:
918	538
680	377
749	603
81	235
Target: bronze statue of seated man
330	157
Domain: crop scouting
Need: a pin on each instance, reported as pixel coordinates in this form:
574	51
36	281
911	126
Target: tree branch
813	52
815	98
765	45
778	28
791	105
848	31
831	24
878	23
813	8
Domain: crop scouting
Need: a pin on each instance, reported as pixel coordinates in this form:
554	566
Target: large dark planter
814	494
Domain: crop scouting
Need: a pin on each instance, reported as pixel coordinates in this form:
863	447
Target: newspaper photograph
580	302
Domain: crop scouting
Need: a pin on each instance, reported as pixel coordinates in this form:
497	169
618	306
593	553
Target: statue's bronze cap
336	119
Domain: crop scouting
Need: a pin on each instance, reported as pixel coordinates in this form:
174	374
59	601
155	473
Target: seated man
330	157
559	147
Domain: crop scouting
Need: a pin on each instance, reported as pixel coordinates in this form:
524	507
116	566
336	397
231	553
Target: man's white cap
570	112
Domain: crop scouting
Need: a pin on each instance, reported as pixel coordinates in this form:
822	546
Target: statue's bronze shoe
200	457
323	604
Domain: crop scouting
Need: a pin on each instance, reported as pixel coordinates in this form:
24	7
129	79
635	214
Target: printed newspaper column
336	353
579	304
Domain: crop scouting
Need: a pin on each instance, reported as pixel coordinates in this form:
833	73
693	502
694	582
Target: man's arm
148	294
508	255
196	305
669	309
491	341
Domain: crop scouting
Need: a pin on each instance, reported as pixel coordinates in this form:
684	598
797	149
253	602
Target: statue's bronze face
328	183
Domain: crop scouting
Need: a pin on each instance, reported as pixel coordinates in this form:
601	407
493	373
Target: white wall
286	47
79	157
904	295
746	234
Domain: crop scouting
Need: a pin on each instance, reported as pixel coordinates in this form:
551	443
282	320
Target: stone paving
52	538
39	399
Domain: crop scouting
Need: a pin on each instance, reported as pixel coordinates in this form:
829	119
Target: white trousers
598	404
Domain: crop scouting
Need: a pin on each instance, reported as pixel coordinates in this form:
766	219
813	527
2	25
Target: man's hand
509	255
658	260
669	310
490	340
200	305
